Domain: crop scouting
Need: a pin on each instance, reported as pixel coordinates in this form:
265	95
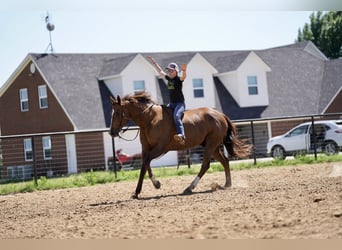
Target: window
139	86
28	149
47	147
299	131
252	85
43	102
197	85
24	105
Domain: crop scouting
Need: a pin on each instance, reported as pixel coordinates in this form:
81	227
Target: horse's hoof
135	196
226	186
157	184
187	191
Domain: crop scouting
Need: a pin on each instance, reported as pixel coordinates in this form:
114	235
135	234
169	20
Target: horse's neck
150	115
141	116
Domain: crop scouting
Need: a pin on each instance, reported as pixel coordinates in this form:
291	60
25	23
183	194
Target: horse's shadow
157	197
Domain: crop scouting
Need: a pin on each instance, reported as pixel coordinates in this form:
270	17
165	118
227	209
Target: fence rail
56	154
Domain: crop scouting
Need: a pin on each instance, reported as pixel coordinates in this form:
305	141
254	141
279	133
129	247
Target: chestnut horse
203	126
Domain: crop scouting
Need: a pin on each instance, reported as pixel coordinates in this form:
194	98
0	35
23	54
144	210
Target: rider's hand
183	67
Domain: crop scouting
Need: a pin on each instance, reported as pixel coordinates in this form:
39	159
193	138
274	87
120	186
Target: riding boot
180	139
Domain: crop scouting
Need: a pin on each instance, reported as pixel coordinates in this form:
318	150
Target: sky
110	26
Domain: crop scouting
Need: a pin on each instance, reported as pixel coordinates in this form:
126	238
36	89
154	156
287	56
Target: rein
125	139
148	108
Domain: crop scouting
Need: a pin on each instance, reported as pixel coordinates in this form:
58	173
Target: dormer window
139	86
43	101
252	85
197	85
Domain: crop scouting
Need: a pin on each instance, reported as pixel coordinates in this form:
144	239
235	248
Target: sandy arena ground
299	202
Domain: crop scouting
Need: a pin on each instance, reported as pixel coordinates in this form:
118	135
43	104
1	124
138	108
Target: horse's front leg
147	157
140	182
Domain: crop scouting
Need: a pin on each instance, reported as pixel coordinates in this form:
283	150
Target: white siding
252	66
107	144
115	86
237	85
139	69
230	81
71	153
198	67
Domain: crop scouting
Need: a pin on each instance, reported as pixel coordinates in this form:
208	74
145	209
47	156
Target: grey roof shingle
225	61
163	59
332	82
116	65
294	83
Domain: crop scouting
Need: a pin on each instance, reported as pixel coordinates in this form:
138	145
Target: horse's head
119	119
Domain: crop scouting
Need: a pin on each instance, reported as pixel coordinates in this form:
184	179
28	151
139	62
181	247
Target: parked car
125	161
327	137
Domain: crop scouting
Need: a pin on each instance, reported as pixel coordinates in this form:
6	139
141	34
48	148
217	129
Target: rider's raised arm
157	67
183	76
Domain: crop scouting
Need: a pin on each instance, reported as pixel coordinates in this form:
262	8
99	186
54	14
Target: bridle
123	116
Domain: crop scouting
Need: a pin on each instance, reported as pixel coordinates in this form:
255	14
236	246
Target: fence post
34	161
188	158
114	157
253	142
314	137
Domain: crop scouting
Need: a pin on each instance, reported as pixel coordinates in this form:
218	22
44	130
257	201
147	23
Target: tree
325	31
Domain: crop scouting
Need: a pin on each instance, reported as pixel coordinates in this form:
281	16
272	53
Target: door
297	139
71	153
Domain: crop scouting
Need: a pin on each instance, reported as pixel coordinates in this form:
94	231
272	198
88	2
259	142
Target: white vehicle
301	139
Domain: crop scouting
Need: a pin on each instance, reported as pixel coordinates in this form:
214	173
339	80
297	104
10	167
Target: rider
177	101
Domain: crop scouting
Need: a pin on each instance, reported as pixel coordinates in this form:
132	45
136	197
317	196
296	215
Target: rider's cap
173	66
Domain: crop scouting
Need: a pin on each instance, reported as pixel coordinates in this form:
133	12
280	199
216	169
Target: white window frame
46	142
28	149
138	88
252	82
24	99
43	100
198	87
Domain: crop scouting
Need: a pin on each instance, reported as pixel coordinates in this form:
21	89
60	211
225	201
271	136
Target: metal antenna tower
50	27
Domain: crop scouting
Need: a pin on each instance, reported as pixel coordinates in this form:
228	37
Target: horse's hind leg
219	156
204	168
153	179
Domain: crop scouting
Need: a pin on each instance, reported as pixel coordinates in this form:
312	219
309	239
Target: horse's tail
235	146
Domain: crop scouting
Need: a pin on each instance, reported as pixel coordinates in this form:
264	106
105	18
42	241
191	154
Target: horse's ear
119	100
112	100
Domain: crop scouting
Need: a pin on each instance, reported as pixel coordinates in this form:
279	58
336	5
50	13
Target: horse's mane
141	97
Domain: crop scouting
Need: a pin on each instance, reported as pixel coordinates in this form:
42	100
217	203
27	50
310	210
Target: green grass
93	178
